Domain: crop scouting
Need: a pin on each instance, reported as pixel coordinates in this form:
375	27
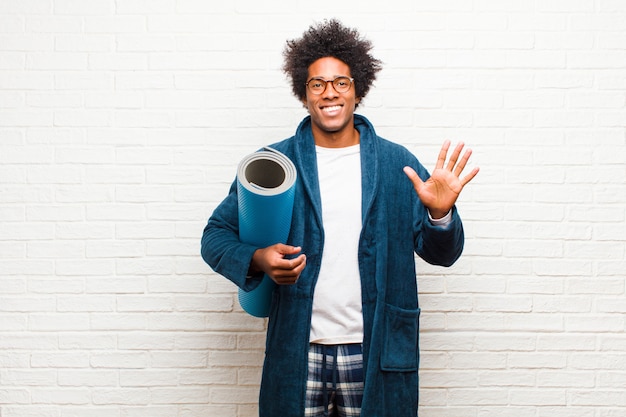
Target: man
342	336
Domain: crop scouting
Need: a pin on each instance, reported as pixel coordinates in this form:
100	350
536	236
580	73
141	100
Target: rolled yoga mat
266	186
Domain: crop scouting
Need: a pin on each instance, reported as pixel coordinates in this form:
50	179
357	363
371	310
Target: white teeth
332	108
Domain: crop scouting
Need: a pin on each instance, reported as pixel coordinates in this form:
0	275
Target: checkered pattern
335	381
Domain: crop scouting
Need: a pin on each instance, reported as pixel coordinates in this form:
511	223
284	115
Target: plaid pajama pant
335	382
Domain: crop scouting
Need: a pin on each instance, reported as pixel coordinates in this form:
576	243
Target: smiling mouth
331	109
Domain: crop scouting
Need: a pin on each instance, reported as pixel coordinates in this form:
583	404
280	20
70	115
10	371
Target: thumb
288	249
415	179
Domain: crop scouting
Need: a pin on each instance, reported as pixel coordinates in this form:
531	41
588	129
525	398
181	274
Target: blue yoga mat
266	186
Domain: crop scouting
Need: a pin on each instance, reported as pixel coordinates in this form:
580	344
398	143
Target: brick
477	397
125	396
69	396
58	322
59	360
146	341
82	118
11	24
91	81
144	266
15	396
115	249
49	61
100	322
237	395
448	379
151	410
114	211
177	285
533	360
87	341
249	376
541	397
83	268
184	395
52	249
78	411
118	100
13	322
216	303
187	322
56	285
53	24
570	411
83	43
490	378
564	379
85	303
187	360
14	360
148	378
35	6
598	398
28	267
567	6
144	303
27	305
565	342
88	7
119	360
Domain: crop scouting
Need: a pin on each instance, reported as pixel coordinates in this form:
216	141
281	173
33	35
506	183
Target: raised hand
441	190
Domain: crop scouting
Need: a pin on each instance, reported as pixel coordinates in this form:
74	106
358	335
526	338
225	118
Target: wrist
438	214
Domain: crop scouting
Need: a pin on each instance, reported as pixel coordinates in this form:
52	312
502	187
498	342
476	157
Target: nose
329	91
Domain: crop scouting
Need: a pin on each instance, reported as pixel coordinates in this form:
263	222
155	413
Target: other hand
273	262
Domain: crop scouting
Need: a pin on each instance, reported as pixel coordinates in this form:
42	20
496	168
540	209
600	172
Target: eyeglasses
341	84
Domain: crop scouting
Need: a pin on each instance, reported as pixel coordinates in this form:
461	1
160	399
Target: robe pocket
400	350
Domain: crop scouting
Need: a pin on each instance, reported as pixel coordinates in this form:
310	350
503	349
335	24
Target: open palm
442	189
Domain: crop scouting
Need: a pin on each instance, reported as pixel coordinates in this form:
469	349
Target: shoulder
385	147
283	145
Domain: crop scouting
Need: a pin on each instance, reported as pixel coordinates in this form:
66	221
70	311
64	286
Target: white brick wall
121	124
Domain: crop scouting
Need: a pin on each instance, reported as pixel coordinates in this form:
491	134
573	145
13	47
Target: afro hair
330	39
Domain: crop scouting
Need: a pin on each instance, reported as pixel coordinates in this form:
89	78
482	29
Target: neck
340	139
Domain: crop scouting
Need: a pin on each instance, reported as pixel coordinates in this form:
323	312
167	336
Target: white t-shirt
337	315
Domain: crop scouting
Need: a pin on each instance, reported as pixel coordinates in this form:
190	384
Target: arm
221	247
442	244
242	263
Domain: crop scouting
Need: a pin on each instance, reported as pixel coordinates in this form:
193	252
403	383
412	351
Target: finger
443	153
462	163
470	176
286	280
297	262
288	265
298	269
290	276
455	156
287	249
415	179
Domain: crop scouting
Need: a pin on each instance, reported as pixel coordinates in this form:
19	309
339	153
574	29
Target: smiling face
332	113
